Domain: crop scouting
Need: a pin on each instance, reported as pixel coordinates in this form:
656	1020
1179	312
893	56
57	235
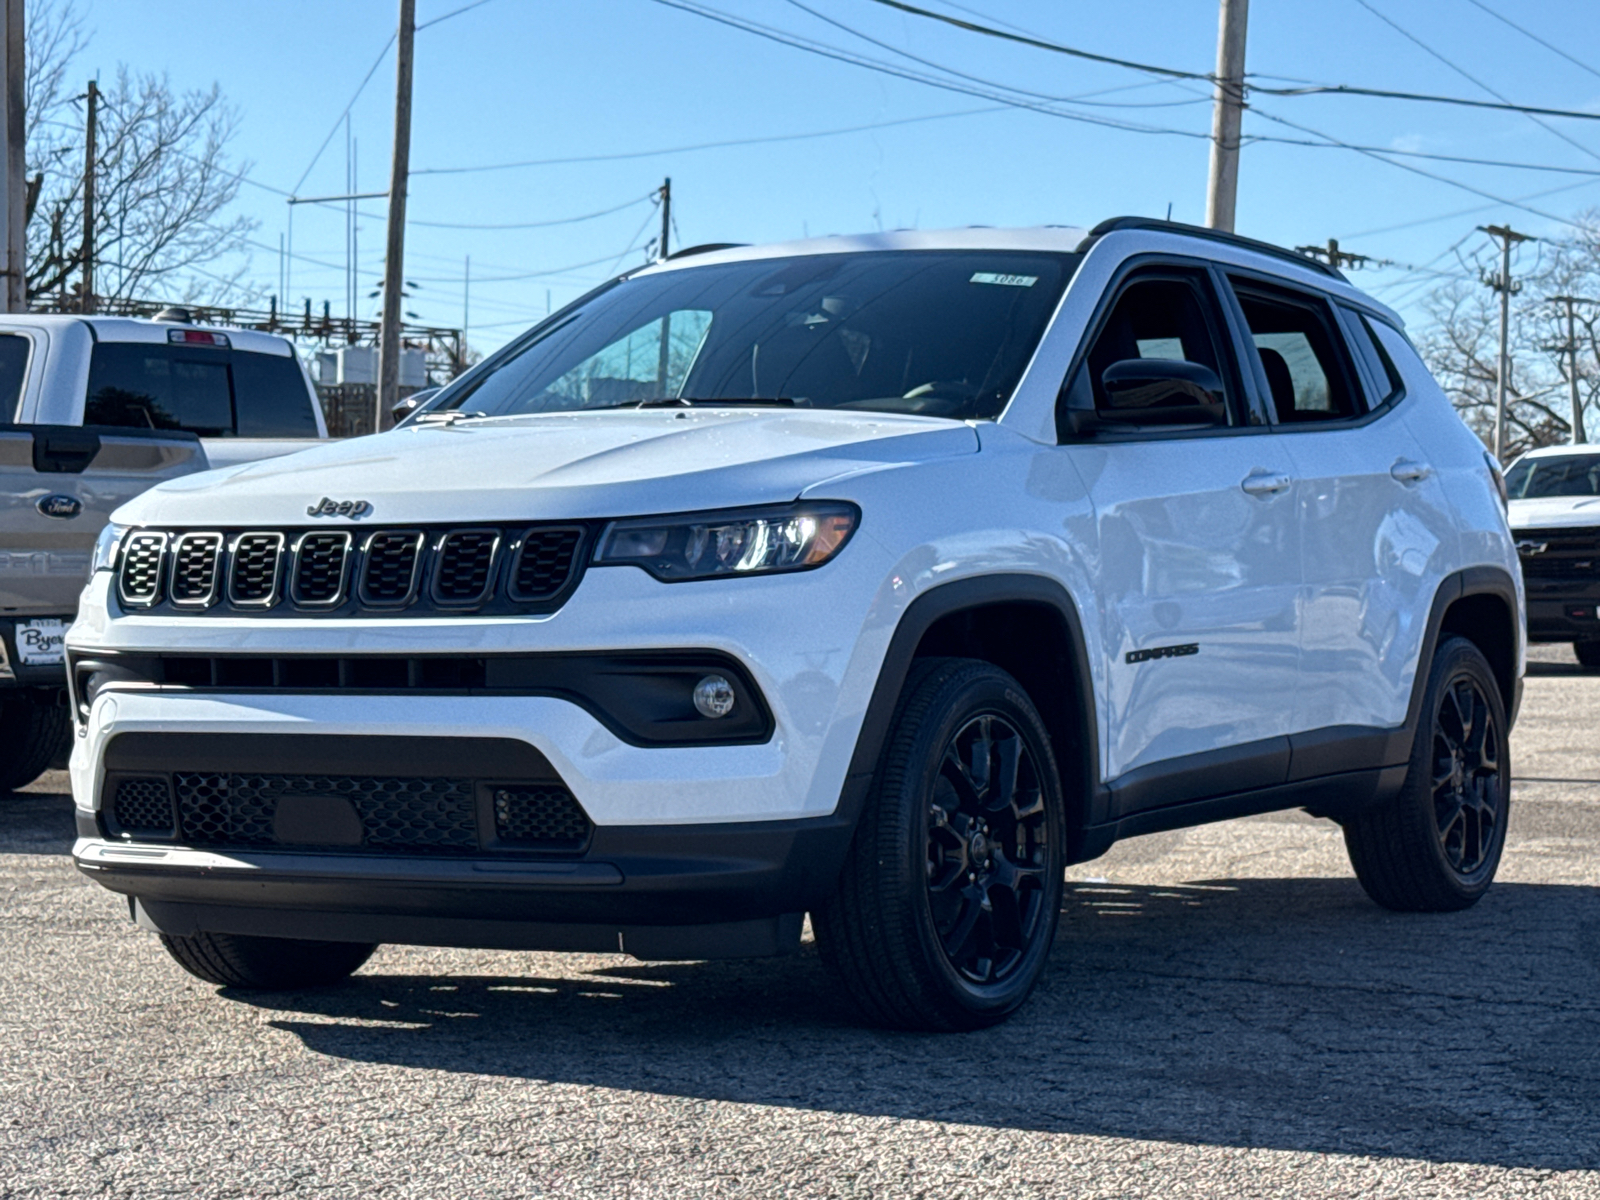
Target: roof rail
1214	235
705	248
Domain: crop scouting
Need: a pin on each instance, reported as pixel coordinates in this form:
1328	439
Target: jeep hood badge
354	509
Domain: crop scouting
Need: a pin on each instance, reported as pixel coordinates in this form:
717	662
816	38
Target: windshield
1535	478
945	333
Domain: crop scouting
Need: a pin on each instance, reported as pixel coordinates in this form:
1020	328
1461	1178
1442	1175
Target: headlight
106	547
752	541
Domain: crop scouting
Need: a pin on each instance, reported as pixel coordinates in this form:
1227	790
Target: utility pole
91	119
395	249
1335	257
14	206
1570	348
1501	282
666	218
1227	115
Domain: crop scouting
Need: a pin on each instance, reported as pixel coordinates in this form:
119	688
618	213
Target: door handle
1408	472
1262	483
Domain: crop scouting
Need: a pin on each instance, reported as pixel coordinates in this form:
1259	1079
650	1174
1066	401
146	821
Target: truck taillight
198	337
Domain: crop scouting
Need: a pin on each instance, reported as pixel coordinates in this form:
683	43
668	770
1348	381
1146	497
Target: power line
1379	156
1040	44
718	145
1309	88
452	13
1528	33
605	212
1415	40
826	51
882	45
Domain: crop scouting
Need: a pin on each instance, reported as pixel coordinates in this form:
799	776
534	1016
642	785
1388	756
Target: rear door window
13	374
1298	345
210	392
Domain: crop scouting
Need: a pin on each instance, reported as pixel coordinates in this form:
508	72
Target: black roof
1214	235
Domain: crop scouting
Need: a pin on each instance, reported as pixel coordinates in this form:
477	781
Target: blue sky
518	80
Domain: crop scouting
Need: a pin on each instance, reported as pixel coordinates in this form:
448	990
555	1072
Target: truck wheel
1435	847
32	731
1588	653
274	964
945	910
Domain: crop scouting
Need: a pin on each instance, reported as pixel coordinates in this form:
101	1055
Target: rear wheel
1436	846
33	730
1588	653
948	902
234	960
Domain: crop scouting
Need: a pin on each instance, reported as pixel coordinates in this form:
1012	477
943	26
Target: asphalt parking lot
1225	1015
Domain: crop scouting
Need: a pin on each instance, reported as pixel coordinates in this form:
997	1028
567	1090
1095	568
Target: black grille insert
253	572
1559	553
392	562
321	564
143	807
544	563
195	558
539	816
465	571
140	582
397	815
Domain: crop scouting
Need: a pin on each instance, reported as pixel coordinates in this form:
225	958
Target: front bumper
709	891
1563	610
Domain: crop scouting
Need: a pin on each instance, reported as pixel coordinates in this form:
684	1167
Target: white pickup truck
94	410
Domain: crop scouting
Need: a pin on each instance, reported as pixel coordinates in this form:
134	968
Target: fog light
713	697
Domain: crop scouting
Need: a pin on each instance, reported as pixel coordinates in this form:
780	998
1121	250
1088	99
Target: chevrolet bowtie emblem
1529	549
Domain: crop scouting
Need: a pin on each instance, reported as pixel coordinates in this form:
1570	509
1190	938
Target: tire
32	731
1436	846
271	964
1588	653
948	901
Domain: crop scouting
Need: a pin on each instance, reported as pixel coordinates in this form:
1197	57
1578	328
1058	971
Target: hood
559	466
1554	512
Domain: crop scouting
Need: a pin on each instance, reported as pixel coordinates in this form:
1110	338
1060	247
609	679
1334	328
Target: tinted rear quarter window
13	373
213	393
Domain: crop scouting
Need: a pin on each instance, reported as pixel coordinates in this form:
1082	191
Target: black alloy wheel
946	907
1435	846
1467	791
988	847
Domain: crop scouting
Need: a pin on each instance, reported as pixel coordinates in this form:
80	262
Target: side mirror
410	404
1156	391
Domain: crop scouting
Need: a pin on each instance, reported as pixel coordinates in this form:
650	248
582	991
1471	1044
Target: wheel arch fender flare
1491	583
1078	764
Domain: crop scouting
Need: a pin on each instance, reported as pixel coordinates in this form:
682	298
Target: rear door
1200	563
1376	527
58	487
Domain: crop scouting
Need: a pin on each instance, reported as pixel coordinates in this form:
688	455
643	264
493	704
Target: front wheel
1436	846
947	905
272	964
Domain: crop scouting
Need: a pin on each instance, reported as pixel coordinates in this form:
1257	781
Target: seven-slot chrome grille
351	571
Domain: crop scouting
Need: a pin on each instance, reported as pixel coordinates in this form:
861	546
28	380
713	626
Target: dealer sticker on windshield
41	643
1004	280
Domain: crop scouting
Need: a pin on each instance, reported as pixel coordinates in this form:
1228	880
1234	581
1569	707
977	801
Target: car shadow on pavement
1280	1013
1539	667
35	823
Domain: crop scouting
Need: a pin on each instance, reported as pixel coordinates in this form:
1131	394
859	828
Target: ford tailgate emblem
59	506
354	509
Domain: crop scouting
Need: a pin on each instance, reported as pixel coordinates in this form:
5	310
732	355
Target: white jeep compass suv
877	578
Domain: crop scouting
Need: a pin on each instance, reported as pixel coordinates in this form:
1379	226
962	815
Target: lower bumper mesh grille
348	813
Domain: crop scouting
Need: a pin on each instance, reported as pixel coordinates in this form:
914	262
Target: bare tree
1461	344
162	180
